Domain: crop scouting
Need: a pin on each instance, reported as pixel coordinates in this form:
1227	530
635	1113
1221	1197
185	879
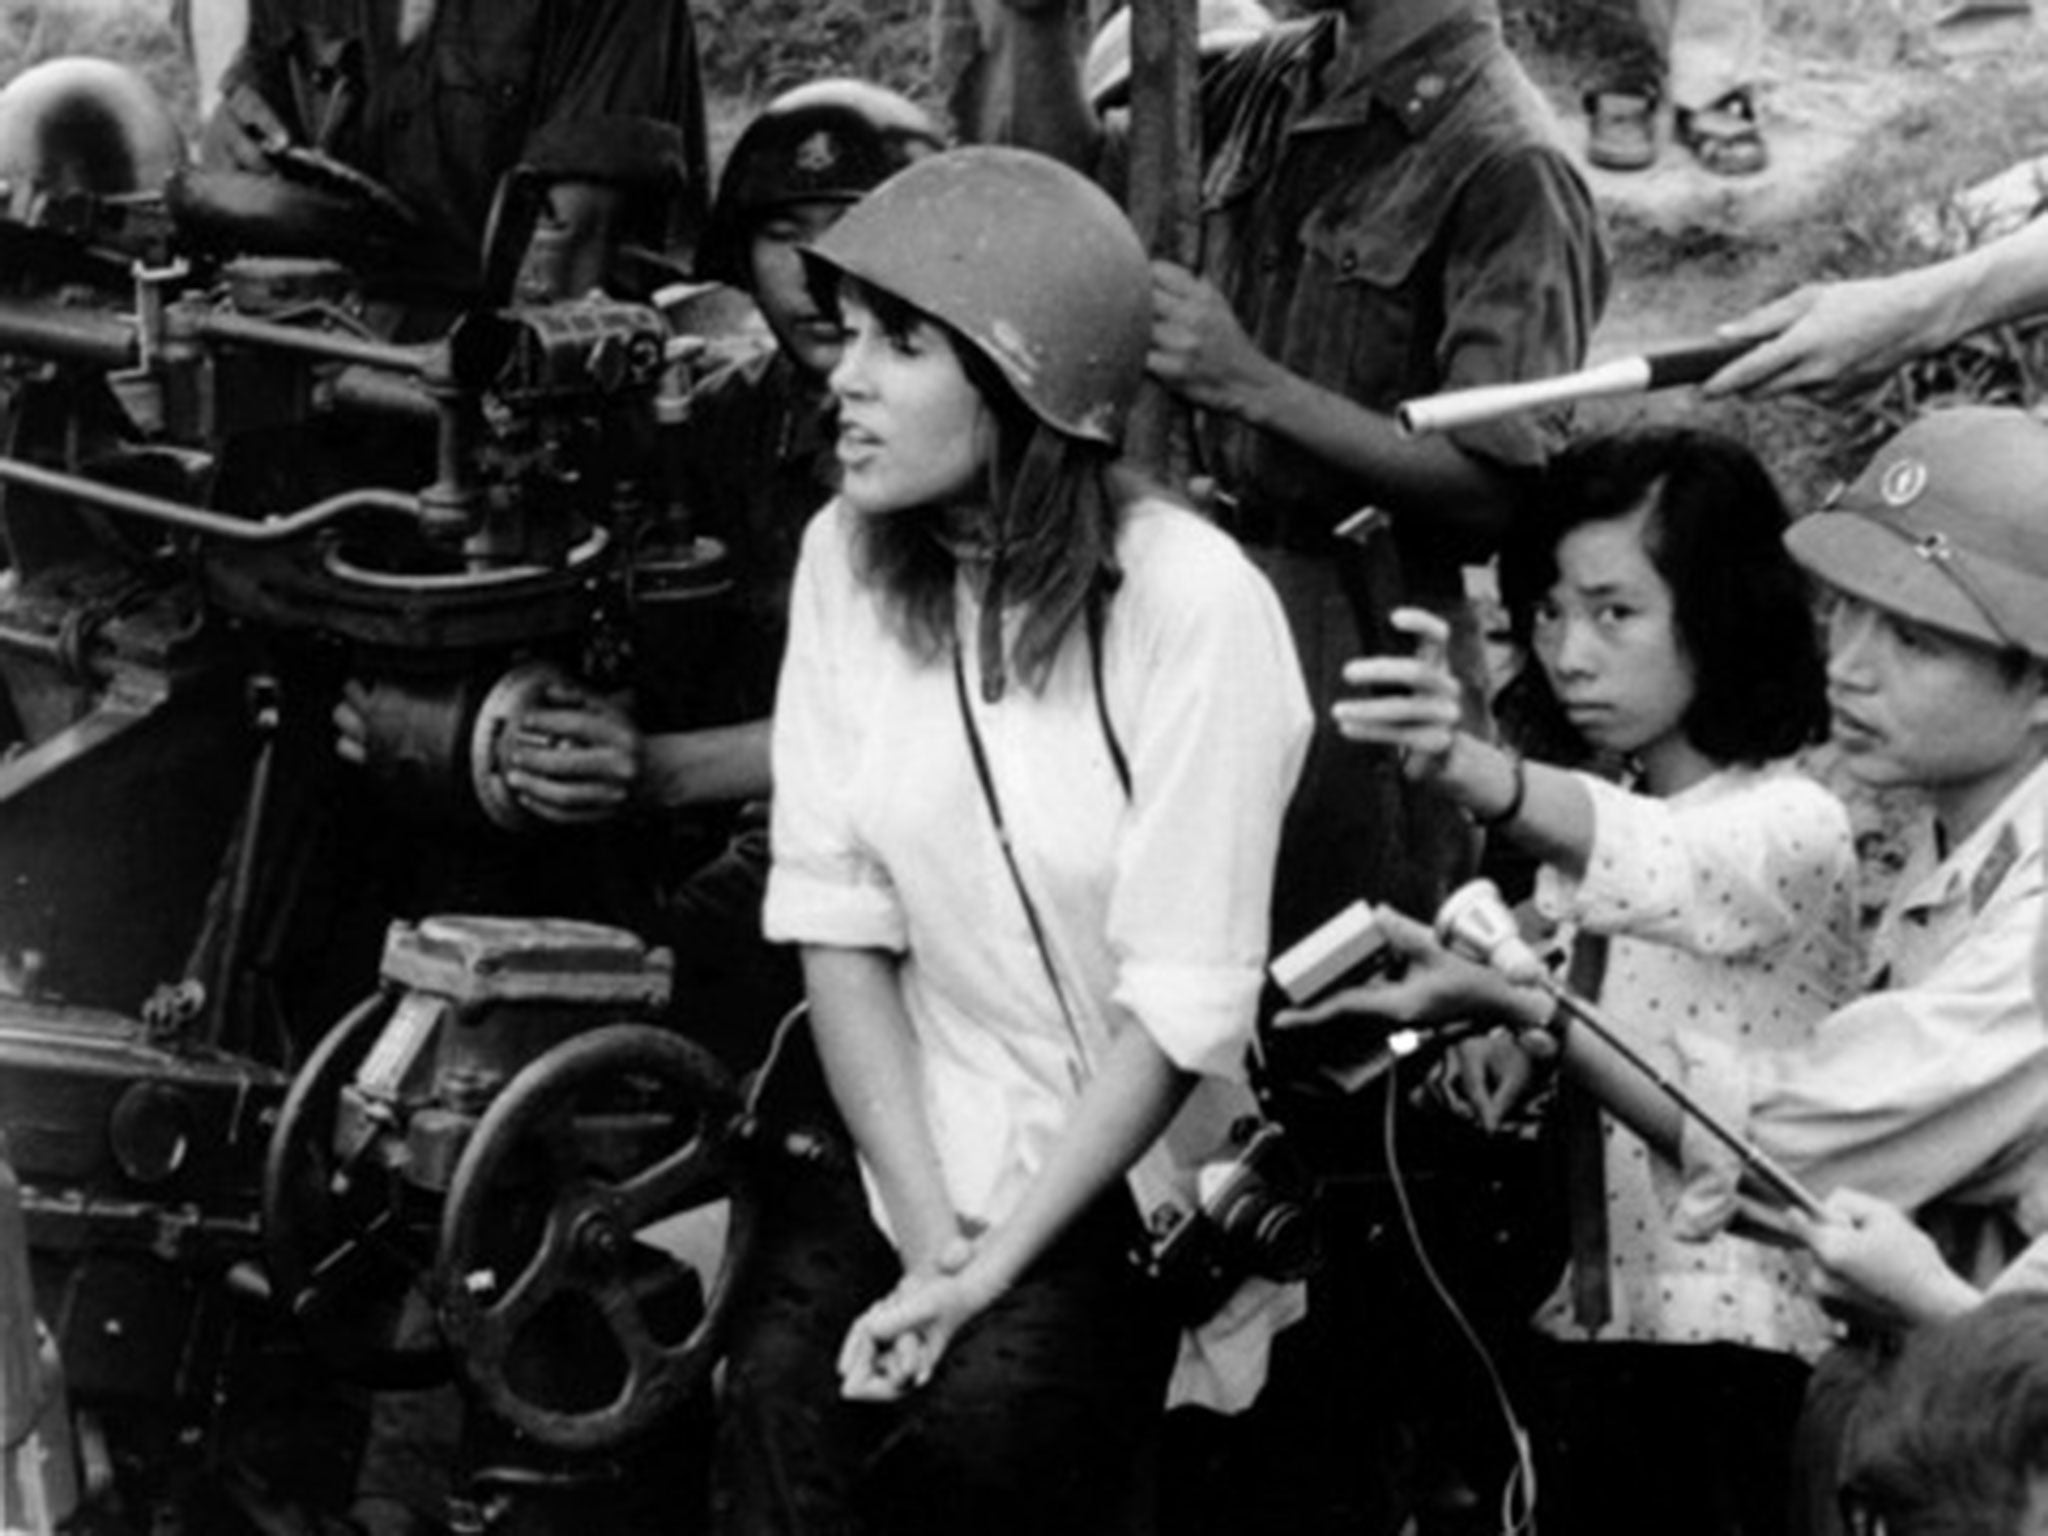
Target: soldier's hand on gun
1870	1257
575	757
1411	703
1199	350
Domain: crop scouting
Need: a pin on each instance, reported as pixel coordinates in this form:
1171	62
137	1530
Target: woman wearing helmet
751	462
1034	734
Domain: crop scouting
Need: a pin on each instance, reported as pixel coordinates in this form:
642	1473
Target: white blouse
1731	909
1154	906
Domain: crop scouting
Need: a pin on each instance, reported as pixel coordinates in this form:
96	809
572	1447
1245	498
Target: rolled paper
1663	368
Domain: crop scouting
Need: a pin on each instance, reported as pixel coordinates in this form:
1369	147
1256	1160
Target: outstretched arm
1412	703
1828	335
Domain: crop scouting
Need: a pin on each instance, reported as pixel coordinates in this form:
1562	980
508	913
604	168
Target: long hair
1057	503
1715	534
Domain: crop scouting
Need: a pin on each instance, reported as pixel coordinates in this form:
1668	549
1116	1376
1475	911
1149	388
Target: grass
1895	206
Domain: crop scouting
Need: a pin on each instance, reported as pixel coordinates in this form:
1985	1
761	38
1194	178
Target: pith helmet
78	125
1029	260
1948	526
828	141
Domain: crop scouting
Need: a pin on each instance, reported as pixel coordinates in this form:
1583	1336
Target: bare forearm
866	1048
1554	820
1122	1112
724	763
1623	1090
1426	477
2002	281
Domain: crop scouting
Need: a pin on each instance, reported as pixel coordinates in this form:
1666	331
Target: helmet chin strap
991	641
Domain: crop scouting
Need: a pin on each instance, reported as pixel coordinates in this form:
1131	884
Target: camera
1254	1218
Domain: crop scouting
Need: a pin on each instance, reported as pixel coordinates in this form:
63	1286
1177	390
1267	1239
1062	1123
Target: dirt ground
1823	105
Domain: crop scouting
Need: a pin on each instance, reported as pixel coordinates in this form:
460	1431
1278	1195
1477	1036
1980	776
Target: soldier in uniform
754	460
435	101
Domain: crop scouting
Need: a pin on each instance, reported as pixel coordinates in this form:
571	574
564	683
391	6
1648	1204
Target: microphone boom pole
1476	923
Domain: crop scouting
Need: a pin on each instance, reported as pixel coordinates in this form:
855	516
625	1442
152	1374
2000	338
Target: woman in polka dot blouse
1672	633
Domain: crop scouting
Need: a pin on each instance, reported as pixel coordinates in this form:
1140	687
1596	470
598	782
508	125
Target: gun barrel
97	338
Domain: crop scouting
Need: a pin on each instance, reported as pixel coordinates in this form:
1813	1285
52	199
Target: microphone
1475	922
1688	363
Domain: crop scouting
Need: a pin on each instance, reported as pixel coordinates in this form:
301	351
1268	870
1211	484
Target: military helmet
1945	527
828	141
1027	259
79	125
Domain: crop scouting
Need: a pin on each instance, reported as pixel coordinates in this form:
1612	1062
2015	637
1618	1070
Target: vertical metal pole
956	50
1165	181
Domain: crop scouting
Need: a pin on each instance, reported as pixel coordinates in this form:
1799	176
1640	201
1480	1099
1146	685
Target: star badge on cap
817	153
1903	482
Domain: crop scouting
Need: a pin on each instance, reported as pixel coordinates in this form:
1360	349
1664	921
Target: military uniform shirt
441	116
1930	1091
1421	230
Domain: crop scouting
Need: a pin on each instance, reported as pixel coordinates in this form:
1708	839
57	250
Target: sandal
1724	137
1621	129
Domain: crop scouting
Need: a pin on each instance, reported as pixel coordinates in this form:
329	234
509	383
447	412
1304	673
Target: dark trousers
1679	1439
1037	1423
1356	828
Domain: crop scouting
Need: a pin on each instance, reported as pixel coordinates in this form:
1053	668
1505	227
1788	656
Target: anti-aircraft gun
222	495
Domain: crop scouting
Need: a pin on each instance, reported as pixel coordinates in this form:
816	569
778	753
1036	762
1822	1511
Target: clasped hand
893	1347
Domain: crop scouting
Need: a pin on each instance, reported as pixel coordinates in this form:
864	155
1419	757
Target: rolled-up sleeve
1913	1093
1218	740
824	887
1727	877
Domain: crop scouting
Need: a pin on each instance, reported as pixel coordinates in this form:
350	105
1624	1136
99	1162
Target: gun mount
224	494
487	1141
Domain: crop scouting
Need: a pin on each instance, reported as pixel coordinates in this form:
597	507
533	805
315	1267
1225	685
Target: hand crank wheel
347	1243
593	1232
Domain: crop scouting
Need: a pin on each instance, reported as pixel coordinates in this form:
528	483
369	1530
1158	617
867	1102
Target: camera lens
1284	1238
